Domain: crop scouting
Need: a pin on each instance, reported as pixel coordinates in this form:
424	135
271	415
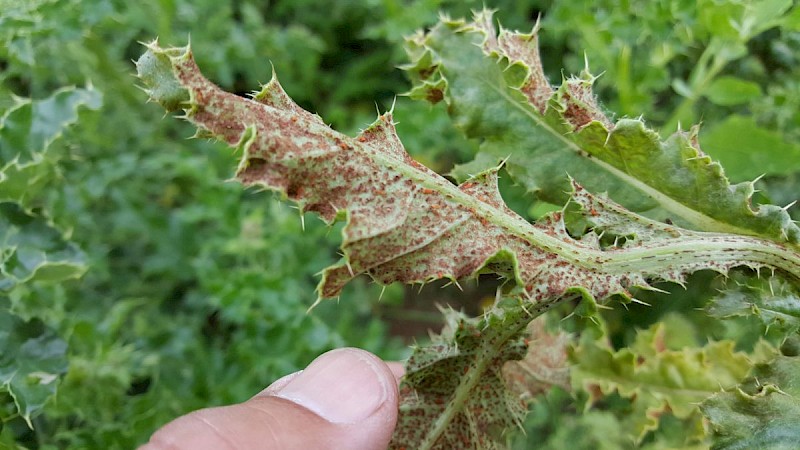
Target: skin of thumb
345	399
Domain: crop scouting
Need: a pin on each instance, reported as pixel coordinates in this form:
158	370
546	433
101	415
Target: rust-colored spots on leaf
434	95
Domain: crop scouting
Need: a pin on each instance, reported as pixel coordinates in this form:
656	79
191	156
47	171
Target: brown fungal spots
427	191
362	139
434	95
426	72
295	191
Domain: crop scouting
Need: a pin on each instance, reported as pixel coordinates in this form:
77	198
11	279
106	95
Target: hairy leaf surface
495	90
454	394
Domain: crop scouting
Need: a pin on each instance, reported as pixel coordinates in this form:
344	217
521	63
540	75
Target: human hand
345	399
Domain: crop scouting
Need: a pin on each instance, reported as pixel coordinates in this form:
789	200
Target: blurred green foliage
195	292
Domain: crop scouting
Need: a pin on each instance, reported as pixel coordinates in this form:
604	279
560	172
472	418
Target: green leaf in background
729	90
761	413
495	90
774	302
26	131
32	357
33	250
748	150
658	374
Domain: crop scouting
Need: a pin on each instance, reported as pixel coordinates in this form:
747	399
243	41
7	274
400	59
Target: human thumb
345	399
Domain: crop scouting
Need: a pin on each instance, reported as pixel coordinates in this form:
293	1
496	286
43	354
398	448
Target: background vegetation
142	286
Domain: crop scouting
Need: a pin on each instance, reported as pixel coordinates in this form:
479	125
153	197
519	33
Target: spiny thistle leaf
496	91
406	223
26	131
655	377
763	412
33	250
31	359
772	300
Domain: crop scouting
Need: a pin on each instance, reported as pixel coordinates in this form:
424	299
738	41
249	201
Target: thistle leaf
454	394
774	302
33	250
763	412
496	91
31	359
545	365
655	377
407	223
26	131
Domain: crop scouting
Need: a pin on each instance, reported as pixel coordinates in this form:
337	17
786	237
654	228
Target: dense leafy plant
404	222
196	291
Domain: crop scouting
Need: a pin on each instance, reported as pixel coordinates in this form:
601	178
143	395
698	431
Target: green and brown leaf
496	91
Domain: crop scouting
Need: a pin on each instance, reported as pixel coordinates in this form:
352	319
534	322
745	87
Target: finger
397	368
345	399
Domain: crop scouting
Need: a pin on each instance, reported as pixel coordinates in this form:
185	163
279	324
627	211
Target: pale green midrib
633	385
693	216
473	376
690	249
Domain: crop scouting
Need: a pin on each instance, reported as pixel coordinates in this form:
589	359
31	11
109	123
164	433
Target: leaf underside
407	223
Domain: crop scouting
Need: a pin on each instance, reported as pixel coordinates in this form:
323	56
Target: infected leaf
549	134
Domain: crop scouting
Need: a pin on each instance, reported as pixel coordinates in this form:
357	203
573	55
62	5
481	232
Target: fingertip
345	399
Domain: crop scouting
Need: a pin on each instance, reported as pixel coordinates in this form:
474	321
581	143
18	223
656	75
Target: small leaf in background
729	91
761	413
656	374
775	302
748	150
32	357
31	126
26	131
33	250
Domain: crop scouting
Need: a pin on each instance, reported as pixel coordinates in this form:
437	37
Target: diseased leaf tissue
406	223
